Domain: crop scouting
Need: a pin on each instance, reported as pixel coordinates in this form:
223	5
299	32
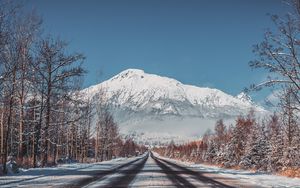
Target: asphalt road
151	171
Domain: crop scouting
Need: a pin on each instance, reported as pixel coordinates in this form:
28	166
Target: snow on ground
256	178
60	175
150	175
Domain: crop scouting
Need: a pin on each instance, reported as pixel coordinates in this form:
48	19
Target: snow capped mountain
137	98
138	91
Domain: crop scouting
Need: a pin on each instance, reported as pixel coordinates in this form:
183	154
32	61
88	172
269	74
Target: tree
279	55
276	138
17	35
107	133
220	131
43	113
240	135
257	149
27	29
56	69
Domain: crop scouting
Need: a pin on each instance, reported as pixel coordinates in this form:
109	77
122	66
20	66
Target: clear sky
198	42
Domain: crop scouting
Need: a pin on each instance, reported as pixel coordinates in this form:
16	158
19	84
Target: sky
207	43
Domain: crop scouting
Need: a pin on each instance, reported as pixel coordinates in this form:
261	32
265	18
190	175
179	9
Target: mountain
141	102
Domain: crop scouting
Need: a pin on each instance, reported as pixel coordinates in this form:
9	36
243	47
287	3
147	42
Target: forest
270	143
43	117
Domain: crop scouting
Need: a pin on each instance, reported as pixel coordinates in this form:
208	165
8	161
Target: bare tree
54	65
279	55
26	31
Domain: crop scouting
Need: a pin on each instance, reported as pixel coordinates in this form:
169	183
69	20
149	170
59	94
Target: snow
140	101
244	97
151	175
136	86
255	178
61	175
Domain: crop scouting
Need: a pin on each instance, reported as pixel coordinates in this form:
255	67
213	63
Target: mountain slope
138	98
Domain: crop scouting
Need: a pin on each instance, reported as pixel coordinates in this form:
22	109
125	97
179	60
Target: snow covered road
152	171
148	170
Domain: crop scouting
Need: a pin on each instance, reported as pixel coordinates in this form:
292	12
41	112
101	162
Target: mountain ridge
136	99
136	88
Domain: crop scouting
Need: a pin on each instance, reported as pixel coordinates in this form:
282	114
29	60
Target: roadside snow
256	178
262	179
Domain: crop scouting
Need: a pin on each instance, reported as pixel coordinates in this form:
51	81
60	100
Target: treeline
43	117
107	141
271	145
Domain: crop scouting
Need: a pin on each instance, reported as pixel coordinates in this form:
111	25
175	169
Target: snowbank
257	178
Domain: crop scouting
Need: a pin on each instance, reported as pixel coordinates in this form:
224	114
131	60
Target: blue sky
199	42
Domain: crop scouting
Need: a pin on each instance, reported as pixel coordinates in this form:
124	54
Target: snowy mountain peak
129	73
141	79
150	94
244	97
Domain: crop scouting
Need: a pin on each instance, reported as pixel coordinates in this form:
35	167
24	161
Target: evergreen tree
256	155
276	136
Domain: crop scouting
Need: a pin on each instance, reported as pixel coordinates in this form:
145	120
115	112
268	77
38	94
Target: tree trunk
2	131
9	120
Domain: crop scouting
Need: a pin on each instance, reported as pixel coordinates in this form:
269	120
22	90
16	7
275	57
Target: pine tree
275	161
211	152
257	149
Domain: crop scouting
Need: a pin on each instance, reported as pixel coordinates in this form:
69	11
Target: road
142	171
151	171
146	170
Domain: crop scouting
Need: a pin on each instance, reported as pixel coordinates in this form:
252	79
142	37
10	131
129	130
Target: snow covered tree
257	149
220	132
236	146
211	152
276	139
291	128
278	53
170	149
